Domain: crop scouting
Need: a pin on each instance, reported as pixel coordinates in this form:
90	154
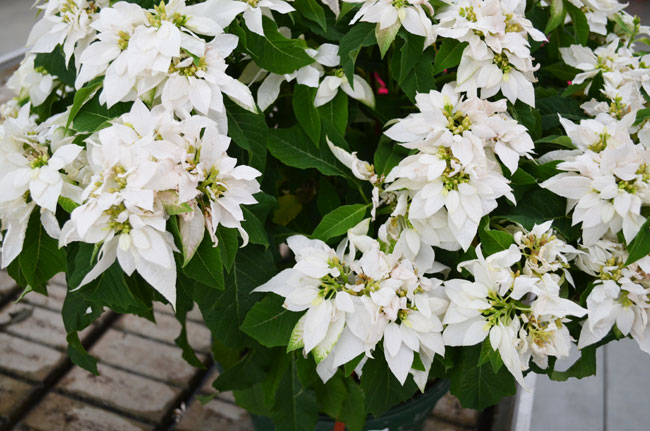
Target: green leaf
336	112
382	390
248	131
306	114
386	36
420	80
448	55
228	246
488	354
292	147
254	227
245	373
205	266
640	246
79	355
539	206
81	96
225	311
311	10
54	63
353	412
580	23
339	221
93	115
360	35
641	116
409	54
111	288
332	395
493	241
184	305
557	15
269	322
327	198
75	312
41	257
478	387
174	209
387	156
349	367
584	366
273	51
295	407
67	204
561	141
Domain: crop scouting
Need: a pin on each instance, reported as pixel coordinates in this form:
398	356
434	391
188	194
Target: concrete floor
16	19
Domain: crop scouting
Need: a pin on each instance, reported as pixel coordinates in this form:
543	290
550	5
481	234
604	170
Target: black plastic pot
409	416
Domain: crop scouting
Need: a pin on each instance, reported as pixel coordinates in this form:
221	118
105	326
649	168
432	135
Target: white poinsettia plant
361	194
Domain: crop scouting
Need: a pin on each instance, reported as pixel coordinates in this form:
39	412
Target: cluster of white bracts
166	156
361	293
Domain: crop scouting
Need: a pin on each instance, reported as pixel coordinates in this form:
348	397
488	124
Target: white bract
390	15
453	179
67	23
498	55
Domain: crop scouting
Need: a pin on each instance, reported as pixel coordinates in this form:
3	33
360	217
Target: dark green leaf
311	10
41	257
228	246
205	266
493	241
580	23
382	390
387	156
584	366
360	35
292	147
295	408
79	355
448	54
336	112
306	114
54	63
353	412
420	80
478	387
339	221
82	95
254	227
332	395
409	54
245	373
184	305
269	322
273	51
225	311
93	115
640	246
248	131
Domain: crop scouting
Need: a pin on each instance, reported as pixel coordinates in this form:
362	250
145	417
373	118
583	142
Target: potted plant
370	201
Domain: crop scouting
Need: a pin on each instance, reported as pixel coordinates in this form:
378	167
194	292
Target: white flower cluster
606	178
371	290
522	313
453	179
144	166
390	15
167	156
498	53
620	295
158	55
365	291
